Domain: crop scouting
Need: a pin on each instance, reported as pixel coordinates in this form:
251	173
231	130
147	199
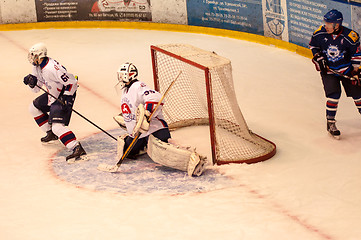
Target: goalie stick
114	168
62	103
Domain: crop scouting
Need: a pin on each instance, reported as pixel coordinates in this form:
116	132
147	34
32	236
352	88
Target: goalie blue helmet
333	16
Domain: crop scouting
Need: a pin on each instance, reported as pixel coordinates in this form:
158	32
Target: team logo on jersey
125	109
127	113
334	54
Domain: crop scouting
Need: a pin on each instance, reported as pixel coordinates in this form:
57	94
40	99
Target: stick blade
107	168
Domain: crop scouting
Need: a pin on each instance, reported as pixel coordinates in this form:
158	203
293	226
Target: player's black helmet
333	16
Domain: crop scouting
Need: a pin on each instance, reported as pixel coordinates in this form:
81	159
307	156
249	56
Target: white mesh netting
204	94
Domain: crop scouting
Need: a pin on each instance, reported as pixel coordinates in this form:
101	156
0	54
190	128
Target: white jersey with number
140	93
55	77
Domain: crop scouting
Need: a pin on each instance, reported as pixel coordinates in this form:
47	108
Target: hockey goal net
204	95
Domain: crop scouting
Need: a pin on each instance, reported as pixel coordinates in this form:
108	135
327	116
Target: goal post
204	94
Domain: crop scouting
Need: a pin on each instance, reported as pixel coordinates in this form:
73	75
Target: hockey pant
54	118
332	88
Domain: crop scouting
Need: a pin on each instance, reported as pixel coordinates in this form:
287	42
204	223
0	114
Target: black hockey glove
320	63
68	101
356	75
30	80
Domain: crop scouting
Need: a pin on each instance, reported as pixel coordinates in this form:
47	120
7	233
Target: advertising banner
288	20
236	15
305	16
73	10
292	21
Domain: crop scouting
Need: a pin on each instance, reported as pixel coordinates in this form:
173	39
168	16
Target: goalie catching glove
120	120
142	124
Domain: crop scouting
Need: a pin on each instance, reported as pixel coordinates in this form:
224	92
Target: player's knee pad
41	118
41	103
58	129
35	112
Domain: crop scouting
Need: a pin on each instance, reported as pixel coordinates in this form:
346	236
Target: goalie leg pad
174	156
120	145
196	164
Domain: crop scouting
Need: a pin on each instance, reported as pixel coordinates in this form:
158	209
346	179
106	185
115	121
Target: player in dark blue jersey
336	54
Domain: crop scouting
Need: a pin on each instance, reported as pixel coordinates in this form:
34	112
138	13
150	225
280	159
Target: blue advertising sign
305	16
237	15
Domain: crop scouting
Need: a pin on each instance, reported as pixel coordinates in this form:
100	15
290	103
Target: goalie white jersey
139	93
55	77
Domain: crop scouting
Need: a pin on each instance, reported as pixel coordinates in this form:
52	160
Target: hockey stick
345	76
62	103
114	168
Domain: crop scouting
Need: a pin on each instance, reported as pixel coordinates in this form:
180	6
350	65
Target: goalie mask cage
204	95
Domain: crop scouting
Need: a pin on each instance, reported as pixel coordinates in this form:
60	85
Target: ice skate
50	136
77	155
332	129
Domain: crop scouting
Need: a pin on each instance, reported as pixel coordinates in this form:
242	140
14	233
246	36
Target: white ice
310	190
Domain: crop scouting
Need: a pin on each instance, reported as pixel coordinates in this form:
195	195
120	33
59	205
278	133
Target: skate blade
82	158
336	137
52	142
107	168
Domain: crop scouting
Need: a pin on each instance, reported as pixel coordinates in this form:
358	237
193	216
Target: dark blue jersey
342	51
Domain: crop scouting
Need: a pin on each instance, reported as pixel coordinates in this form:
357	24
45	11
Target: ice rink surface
309	190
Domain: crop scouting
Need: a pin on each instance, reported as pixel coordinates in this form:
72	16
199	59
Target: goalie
138	101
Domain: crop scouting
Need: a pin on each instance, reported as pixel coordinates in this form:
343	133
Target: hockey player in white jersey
51	115
137	103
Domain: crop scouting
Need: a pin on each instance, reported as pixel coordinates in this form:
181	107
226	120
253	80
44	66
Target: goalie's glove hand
320	63
142	124
120	120
30	80
68	101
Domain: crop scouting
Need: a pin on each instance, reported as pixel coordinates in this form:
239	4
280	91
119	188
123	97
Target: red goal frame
208	84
